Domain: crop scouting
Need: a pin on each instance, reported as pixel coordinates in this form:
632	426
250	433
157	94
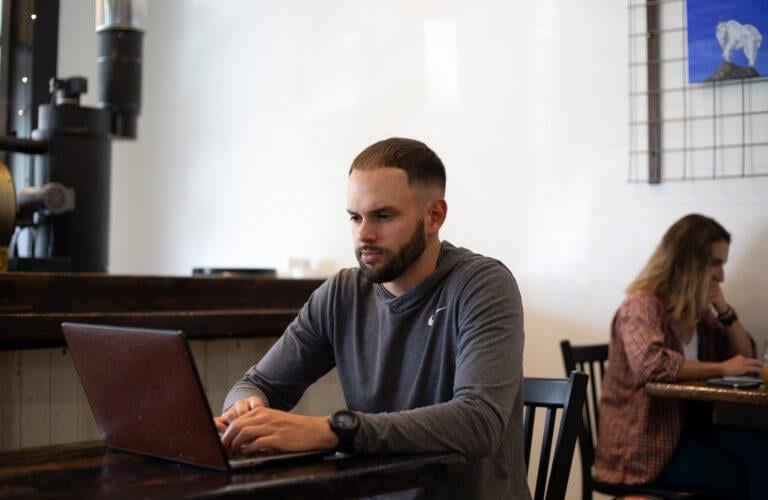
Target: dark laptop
146	396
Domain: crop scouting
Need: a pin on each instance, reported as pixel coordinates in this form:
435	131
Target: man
427	339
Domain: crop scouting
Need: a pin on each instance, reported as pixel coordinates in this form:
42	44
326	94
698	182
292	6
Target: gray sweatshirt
438	368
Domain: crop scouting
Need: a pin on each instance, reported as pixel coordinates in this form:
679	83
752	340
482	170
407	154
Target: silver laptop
146	396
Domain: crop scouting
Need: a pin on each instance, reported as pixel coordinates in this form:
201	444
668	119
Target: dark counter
33	305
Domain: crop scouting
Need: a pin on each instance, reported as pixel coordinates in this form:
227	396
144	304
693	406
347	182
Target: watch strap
728	317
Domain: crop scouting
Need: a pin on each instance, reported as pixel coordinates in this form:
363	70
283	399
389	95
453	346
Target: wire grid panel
711	130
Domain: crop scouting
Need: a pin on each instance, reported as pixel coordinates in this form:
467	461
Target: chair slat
593	391
550	393
528	420
546	450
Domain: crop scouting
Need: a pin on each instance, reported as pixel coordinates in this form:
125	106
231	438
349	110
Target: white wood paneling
198	354
216	377
35	397
10	400
240	356
86	424
64	401
323	397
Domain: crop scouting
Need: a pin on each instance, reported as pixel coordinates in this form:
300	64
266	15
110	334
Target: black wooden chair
592	359
553	394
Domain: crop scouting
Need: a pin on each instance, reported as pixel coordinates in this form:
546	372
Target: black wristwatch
344	424
728	317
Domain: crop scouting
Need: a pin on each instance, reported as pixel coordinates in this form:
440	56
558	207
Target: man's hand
739	365
241	407
266	428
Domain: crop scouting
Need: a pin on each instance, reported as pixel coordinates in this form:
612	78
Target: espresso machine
61	221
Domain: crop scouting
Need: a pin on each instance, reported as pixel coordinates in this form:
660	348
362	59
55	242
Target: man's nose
720	275
366	232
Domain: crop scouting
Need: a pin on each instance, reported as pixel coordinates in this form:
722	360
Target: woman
675	324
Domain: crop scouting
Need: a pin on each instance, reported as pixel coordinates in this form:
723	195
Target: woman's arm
740	339
737	334
737	365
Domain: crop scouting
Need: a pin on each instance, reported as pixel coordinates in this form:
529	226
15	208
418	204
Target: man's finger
242	407
230	414
234	429
259	444
246	436
220	425
254	402
229	434
239	408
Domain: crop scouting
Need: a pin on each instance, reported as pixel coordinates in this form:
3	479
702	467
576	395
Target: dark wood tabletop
700	391
88	470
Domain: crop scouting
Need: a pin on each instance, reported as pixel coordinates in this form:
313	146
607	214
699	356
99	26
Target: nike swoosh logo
431	319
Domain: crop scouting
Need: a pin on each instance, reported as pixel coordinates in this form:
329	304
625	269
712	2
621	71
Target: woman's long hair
675	273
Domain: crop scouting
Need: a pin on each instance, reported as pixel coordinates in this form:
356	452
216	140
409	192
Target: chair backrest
553	394
590	359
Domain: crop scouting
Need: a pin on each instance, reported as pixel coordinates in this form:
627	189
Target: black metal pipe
16	145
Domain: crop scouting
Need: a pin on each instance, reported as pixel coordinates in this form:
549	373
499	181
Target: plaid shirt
638	433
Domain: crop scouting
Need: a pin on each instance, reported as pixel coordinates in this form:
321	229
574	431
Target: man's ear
437	210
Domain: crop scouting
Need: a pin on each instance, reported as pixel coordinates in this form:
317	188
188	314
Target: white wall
253	111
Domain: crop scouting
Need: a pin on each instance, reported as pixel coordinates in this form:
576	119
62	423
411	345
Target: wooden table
700	391
88	470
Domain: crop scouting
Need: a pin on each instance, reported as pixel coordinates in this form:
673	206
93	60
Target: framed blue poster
726	39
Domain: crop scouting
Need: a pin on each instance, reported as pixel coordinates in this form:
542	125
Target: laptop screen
145	392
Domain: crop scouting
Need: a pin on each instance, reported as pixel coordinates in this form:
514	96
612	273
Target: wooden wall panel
323	397
241	355
86	424
216	378
198	354
64	399
10	400
35	398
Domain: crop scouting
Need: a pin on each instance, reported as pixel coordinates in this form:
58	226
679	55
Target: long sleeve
486	384
640	325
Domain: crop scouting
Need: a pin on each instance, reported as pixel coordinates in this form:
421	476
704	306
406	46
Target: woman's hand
717	299
740	365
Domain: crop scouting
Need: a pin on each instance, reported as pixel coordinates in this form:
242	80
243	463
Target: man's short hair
421	164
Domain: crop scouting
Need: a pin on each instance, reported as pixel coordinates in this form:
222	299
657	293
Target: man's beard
399	262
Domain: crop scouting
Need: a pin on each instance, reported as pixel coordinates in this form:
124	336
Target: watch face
344	420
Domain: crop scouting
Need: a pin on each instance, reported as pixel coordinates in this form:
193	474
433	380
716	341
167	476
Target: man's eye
354	218
384	216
